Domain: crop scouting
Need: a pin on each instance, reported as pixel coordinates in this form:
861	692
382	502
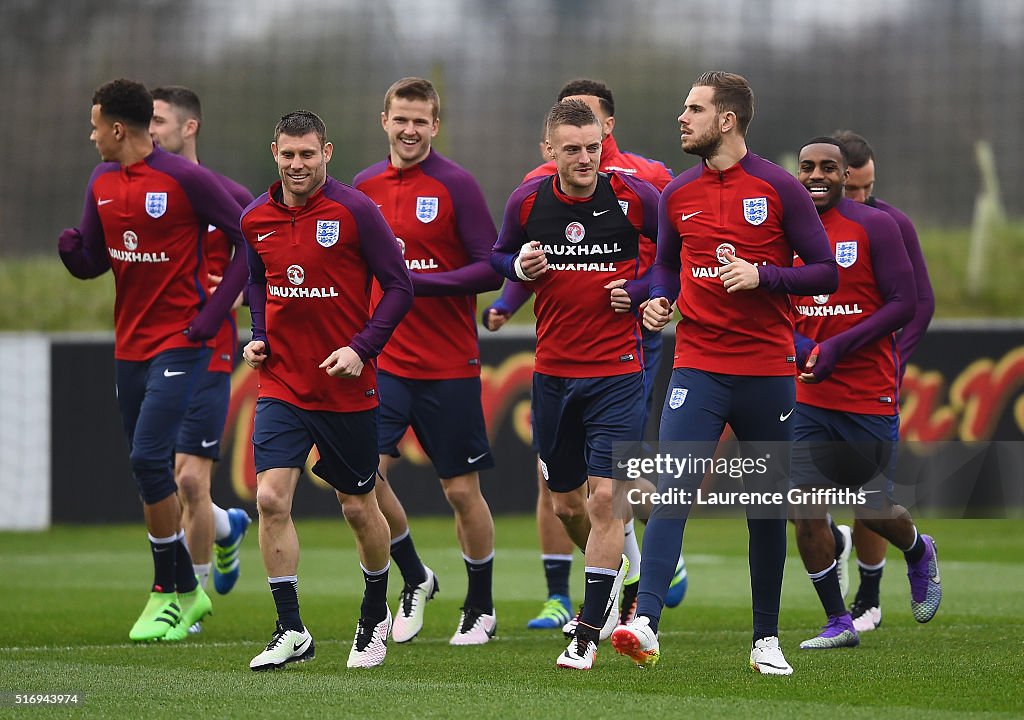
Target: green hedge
37	293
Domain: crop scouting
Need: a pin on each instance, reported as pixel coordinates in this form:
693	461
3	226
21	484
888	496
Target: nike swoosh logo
592	581
363	482
209	444
472	460
687	216
260	237
624	466
596	213
104	202
304	643
173	373
784	418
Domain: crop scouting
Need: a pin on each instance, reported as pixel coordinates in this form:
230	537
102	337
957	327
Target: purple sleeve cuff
85	254
638	290
513	296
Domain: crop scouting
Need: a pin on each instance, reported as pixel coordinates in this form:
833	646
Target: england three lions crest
677	398
755	210
156	204
426	209
846	253
328	232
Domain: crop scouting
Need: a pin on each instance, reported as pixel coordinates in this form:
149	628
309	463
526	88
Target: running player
729	228
314	245
145	218
575	237
429	372
847	412
556	546
866	608
177	119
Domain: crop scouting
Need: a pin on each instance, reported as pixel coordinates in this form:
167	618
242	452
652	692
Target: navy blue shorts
284	434
154	396
652	344
203	426
446	416
576	421
759	409
845	450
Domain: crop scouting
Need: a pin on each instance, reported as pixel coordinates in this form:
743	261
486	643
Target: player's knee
807	529
599	504
271	503
357	509
155	479
568	509
193	488
462	493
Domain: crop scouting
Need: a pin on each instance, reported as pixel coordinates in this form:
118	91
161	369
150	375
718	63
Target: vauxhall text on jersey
438	213
588	243
758	212
153	218
311	268
875	279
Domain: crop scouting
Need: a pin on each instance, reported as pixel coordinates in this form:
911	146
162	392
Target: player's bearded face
301	163
699	129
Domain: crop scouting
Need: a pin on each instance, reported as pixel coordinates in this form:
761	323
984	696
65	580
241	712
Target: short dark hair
180	97
856	146
126	101
732	94
571	112
413	88
299	123
583	86
824	140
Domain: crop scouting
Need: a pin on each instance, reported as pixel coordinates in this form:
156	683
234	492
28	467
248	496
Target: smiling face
577	155
410	126
822	172
302	164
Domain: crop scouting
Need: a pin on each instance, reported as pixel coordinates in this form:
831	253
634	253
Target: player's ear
328	151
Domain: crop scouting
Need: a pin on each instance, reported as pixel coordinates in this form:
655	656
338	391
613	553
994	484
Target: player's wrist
520	273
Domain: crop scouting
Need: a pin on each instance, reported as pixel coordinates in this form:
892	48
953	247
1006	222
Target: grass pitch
71	594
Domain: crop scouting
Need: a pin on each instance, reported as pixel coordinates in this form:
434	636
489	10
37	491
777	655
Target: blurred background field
36	293
925	82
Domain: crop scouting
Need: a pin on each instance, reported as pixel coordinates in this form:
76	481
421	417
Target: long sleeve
384	258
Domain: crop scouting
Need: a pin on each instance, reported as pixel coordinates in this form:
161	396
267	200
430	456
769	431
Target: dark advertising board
965	384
